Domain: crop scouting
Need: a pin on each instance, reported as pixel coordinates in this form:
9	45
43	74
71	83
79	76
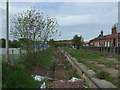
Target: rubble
73	83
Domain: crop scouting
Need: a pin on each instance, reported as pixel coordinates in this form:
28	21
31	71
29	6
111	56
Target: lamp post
7	32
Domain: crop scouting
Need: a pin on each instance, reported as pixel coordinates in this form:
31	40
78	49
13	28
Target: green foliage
2	43
51	42
19	75
14	44
23	40
108	64
14	77
43	58
78	41
32	26
84	54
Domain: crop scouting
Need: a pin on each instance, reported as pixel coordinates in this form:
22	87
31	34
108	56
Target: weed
14	77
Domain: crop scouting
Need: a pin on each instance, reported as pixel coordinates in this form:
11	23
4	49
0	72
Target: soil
66	84
41	71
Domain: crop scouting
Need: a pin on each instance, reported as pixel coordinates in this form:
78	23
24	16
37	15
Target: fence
112	50
11	51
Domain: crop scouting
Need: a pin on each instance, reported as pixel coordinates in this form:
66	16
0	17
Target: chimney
101	32
114	29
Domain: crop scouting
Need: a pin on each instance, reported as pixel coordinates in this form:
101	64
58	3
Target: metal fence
112	50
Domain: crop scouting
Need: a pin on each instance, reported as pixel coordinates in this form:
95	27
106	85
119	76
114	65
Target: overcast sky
82	18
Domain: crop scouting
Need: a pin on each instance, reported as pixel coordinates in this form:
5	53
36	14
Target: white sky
82	18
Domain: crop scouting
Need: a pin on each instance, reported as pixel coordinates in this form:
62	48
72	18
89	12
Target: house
110	40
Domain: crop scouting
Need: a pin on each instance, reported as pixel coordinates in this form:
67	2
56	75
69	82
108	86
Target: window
108	43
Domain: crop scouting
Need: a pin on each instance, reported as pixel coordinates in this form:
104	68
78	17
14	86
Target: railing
112	50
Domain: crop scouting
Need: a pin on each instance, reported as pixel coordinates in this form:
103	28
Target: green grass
43	58
19	74
83	56
108	64
46	57
14	77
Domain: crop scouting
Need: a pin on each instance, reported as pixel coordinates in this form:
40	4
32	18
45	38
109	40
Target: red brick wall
114	30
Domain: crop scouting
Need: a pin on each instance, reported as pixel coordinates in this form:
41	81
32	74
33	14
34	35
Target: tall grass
43	58
14	77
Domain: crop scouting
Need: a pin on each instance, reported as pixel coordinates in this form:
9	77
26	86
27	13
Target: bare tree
34	26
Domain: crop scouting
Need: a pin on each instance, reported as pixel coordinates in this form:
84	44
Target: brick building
110	40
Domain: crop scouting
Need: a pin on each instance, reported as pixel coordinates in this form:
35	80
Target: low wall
87	75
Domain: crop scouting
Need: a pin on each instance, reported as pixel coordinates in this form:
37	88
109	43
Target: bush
42	58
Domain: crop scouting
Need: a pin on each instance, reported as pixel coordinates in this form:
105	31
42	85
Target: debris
85	86
40	78
74	79
43	85
66	84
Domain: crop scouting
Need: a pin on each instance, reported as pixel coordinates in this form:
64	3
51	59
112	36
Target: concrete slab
100	65
103	83
112	71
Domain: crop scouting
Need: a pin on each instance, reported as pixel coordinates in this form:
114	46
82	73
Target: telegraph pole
117	27
7	31
118	30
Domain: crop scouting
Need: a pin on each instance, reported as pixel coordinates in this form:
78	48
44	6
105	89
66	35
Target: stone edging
87	75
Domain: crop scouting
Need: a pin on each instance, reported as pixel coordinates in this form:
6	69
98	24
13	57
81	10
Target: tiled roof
105	37
99	38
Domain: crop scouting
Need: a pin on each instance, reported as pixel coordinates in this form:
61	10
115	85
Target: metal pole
7	32
117	35
118	21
